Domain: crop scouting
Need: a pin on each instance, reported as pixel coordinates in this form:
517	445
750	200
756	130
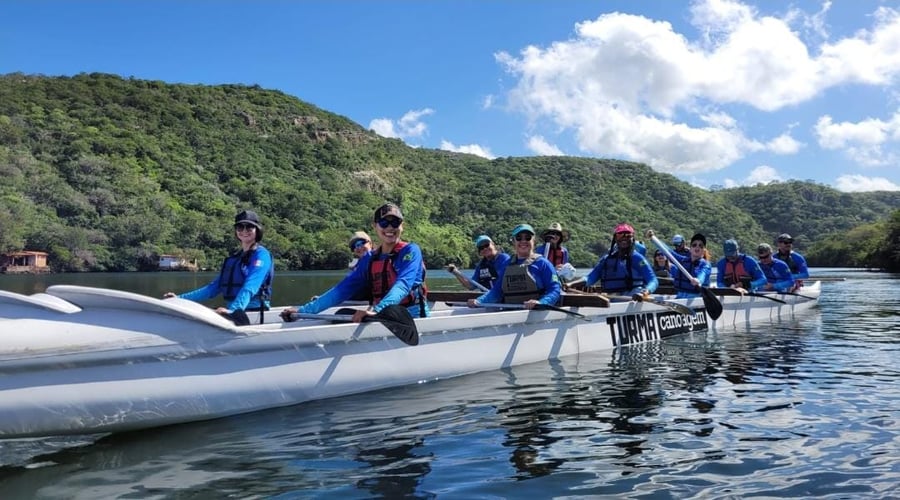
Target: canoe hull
125	362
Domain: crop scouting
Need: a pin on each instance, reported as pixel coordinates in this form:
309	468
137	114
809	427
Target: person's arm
548	279
783	278
720	273
409	271
495	294
594	276
757	277
565	252
209	291
343	290
802	269
257	271
703	271
651	282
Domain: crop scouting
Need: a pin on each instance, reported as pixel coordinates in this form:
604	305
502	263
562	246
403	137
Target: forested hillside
107	173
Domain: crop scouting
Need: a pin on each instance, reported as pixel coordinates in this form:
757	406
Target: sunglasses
384	223
484	247
523	237
786	242
244	227
764	256
357	244
696	245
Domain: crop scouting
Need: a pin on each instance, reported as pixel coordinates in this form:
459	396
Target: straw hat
556	227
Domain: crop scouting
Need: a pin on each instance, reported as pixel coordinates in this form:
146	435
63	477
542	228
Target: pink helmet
623	228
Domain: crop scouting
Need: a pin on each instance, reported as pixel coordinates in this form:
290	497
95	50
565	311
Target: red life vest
736	274
383	275
555	255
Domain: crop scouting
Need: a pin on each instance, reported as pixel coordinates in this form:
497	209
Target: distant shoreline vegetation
105	173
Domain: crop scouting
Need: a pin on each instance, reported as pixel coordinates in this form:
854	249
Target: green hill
107	173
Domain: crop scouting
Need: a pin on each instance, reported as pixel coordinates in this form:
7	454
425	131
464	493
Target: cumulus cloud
762	174
409	126
628	86
859	183
784	144
541	147
472	149
870	142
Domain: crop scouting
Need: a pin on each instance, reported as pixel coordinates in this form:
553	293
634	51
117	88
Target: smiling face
246	233
524	244
624	240
389	230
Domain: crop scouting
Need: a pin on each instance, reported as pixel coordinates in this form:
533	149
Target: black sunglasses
244	227
484	247
384	223
357	243
523	237
764	256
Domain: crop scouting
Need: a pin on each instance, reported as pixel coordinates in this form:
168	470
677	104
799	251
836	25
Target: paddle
454	271
539	307
679	308
732	292
795	294
712	303
395	318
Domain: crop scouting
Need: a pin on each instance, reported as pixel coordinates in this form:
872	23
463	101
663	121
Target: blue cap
730	248
521	228
481	239
677	239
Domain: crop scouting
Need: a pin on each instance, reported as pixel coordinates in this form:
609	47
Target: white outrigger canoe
80	360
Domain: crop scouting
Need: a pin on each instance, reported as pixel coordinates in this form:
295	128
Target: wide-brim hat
556	227
358	236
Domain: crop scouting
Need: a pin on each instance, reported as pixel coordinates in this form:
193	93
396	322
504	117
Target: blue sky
716	92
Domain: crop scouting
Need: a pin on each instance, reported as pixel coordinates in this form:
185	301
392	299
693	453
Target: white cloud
473	149
784	144
870	142
762	174
408	126
859	183
541	147
628	86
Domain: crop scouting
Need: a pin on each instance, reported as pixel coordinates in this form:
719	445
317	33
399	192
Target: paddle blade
400	322
712	303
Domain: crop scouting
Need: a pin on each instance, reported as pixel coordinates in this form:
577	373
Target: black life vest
518	284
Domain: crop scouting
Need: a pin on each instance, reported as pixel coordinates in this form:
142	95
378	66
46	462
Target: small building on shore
25	262
175	263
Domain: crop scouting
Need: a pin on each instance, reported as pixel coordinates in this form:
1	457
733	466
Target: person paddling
245	279
392	273
528	278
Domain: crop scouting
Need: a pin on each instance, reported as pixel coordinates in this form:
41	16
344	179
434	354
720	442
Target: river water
800	408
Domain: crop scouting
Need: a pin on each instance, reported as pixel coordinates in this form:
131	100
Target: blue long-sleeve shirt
410	275
499	262
255	273
702	270
640	270
545	278
778	274
751	267
796	264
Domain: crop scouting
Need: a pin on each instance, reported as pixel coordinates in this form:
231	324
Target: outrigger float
81	360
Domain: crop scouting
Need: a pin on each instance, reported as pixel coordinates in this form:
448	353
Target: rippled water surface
808	407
